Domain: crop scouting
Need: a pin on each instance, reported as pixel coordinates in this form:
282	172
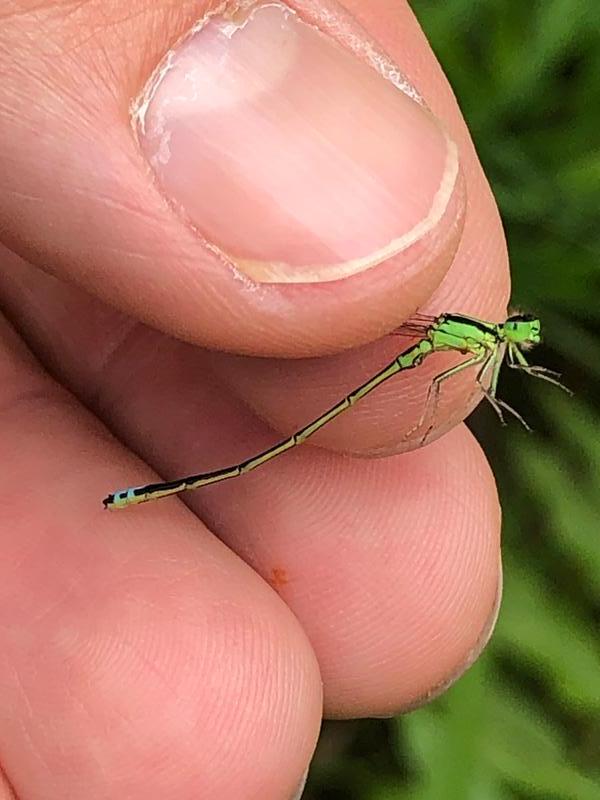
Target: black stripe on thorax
484	327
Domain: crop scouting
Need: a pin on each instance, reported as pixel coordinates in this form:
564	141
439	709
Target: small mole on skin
278	578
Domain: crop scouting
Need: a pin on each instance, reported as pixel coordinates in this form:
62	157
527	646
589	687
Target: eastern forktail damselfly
486	345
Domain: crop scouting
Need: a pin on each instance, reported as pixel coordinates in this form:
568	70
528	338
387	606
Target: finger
87	345
257	173
391	566
137	655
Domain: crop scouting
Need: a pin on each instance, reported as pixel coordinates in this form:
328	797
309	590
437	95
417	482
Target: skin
146	652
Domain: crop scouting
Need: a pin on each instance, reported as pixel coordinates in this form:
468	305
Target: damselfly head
524	330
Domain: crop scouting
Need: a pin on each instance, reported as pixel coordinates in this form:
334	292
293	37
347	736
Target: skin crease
146	652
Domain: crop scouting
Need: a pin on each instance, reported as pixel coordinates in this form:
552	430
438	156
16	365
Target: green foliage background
525	721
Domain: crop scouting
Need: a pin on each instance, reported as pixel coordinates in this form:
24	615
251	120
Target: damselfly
486	344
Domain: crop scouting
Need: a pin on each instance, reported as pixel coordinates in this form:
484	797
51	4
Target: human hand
182	652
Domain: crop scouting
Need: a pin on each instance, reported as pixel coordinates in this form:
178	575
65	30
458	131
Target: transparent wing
417	325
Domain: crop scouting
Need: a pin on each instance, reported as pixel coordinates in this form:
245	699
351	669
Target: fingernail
290	155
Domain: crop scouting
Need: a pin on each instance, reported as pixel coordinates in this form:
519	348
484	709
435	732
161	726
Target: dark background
524	723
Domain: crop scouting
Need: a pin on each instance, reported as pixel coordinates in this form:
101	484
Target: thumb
261	180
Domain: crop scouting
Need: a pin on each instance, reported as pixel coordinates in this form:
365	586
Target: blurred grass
524	723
